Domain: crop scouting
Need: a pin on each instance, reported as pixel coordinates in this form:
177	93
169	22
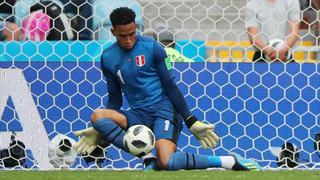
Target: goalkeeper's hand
203	132
88	142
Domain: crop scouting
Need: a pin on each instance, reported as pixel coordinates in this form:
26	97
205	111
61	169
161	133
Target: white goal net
48	89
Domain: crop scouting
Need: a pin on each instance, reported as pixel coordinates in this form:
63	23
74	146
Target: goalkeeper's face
125	34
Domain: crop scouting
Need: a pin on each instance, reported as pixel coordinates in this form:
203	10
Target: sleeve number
166	126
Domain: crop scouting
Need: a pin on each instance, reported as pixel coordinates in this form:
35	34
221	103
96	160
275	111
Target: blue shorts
161	118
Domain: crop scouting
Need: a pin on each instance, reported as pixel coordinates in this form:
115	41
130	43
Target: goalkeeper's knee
102	114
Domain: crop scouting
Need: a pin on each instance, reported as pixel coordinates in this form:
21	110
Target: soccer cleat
242	164
150	164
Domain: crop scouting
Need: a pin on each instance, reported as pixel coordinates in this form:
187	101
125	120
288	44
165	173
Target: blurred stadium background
52	87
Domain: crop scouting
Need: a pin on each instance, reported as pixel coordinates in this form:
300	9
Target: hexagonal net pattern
51	88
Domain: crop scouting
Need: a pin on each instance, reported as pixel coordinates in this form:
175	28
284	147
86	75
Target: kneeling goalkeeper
136	66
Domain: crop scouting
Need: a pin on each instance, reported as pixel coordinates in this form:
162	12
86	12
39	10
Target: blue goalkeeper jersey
142	74
135	72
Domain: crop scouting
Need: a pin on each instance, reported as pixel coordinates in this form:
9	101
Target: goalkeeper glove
90	140
203	132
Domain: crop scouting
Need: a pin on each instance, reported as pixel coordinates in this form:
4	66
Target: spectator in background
22	9
166	38
47	21
81	13
311	15
272	19
316	25
9	30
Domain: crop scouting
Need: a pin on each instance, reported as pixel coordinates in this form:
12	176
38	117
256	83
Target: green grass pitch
159	175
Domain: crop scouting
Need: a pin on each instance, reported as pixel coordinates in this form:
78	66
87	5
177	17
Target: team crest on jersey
140	60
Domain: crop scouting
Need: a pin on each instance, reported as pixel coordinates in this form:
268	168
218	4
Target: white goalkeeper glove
203	132
88	142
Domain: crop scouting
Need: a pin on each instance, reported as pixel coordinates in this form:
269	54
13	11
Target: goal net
51	88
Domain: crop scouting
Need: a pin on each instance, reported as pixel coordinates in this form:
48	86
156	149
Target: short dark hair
122	16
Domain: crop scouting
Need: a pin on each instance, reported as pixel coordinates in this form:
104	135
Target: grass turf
162	175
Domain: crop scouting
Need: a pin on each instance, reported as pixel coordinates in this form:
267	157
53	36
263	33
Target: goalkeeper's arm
90	138
114	89
203	132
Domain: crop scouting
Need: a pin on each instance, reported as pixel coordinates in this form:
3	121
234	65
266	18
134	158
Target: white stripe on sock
227	162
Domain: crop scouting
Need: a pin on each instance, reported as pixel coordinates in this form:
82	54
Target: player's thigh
164	147
168	127
115	116
136	116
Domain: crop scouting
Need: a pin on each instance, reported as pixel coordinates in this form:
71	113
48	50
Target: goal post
52	87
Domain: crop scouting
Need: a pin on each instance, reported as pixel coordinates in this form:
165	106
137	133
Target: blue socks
113	133
110	132
182	160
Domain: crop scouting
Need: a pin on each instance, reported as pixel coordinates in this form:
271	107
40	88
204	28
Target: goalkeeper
135	65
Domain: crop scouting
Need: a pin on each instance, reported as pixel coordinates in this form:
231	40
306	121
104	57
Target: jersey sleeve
167	80
114	88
